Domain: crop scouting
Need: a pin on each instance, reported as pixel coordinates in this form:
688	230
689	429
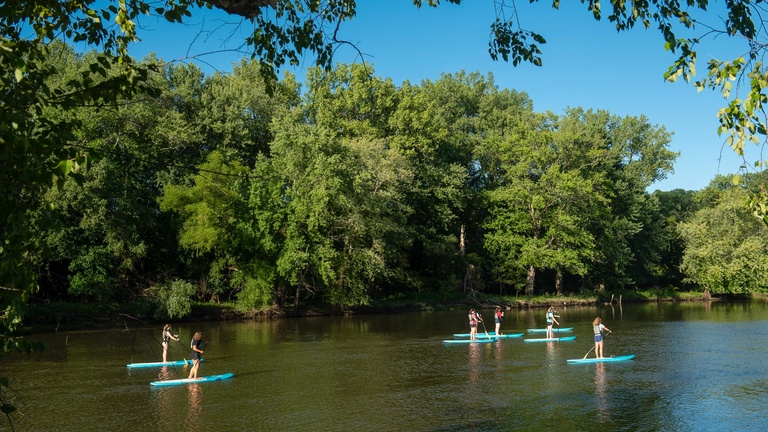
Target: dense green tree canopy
725	247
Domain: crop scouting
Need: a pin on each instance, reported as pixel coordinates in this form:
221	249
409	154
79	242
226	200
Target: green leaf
64	167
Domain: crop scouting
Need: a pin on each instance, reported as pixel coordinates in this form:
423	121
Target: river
698	367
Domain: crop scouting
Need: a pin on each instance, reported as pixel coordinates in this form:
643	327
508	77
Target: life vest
598	329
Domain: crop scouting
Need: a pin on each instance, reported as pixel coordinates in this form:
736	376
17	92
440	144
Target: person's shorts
598	338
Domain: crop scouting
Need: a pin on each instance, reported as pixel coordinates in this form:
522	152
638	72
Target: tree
675	207
548	194
210	208
566	195
636	155
327	210
429	128
725	247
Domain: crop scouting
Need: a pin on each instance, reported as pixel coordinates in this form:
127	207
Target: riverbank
59	316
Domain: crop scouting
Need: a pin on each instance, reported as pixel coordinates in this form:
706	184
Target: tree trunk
469	279
462	238
529	280
280	296
559	282
202	286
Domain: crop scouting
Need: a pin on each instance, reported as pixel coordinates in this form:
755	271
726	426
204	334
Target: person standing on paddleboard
167	336
551	318
196	354
474	318
599	328
498	317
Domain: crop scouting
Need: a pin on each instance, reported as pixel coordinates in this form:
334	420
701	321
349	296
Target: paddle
484	329
182	351
557	323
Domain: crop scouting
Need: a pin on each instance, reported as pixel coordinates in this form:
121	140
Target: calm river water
699	367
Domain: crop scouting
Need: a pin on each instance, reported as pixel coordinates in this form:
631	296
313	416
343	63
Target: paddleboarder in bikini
167	336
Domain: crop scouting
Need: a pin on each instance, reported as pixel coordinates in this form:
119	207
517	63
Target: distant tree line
350	188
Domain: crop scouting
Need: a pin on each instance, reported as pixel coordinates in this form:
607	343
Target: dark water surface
699	367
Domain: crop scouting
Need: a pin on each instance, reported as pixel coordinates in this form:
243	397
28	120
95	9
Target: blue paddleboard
501	336
491	335
558	339
476	334
158	364
204	379
554	329
601	360
466	341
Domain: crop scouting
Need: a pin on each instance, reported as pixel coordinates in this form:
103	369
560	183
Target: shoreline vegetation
64	316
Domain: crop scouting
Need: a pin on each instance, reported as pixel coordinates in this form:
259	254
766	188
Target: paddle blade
590	350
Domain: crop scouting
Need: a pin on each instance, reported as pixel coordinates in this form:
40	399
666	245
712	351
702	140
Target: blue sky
585	64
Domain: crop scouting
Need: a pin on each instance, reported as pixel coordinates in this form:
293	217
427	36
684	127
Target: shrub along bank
59	316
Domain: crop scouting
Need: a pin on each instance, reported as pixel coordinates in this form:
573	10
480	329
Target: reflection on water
194	416
498	348
393	373
474	360
551	350
162	409
164	374
601	394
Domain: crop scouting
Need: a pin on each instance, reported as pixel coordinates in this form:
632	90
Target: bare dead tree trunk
462	239
559	282
468	284
530	280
